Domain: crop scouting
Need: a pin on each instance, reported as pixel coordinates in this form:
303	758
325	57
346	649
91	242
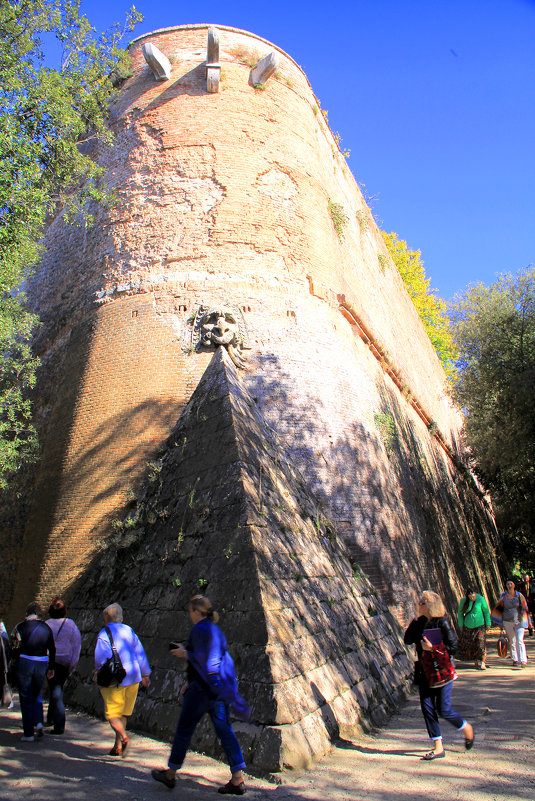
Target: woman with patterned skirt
473	617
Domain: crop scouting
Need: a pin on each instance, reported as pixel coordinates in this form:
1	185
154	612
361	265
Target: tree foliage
431	309
49	117
494	329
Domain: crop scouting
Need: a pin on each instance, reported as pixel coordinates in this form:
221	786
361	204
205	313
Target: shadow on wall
98	486
93	455
226	514
192	83
41	485
408	519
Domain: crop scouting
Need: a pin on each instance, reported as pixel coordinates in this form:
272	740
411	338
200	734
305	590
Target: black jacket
416	630
33	637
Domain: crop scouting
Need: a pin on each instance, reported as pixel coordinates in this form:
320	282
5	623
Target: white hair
114	612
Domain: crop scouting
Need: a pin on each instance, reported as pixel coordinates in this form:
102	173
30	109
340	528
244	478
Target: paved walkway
383	767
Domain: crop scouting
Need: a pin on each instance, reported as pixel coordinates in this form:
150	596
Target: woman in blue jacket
211	688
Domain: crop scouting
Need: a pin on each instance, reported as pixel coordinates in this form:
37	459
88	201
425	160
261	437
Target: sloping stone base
317	653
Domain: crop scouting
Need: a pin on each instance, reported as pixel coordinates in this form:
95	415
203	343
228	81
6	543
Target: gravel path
384	767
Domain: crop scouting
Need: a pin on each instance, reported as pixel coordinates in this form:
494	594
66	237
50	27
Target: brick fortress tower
240	227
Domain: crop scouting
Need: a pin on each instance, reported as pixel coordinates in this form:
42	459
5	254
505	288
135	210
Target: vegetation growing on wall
494	329
45	115
339	218
431	309
387	429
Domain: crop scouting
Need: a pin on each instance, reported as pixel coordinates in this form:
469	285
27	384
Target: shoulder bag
502	646
437	667
7	695
112	671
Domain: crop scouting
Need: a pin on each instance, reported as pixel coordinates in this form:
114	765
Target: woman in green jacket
473	617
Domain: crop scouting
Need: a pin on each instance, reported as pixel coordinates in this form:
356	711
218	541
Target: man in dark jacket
33	642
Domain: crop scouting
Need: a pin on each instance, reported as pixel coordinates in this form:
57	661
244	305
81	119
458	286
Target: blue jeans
196	703
56	707
435	703
30	678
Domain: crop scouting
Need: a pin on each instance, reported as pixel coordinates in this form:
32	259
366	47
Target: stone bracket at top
157	61
213	67
161	66
264	69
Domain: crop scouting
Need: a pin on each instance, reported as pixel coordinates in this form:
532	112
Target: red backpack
438	667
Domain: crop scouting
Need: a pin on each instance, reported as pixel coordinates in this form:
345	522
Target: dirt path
384	767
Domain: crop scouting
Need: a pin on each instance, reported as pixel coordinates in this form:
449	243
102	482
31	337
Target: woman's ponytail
202	604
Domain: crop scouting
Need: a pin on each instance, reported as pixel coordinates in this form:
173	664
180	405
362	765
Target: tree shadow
407	517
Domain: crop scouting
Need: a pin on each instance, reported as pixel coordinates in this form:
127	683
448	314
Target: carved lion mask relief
221	326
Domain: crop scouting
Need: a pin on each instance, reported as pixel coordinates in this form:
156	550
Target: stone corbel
264	69
213	67
157	61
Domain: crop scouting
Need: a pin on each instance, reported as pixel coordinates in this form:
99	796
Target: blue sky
435	101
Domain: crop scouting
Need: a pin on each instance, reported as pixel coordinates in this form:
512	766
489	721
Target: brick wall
226	196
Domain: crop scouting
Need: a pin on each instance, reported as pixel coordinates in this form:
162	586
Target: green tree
494	328
431	309
50	118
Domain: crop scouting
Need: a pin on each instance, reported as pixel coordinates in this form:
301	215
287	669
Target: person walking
473	617
68	641
119	700
211	687
435	701
527	589
33	643
5	654
511	612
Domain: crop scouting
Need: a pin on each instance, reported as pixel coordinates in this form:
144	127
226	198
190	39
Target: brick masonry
225	198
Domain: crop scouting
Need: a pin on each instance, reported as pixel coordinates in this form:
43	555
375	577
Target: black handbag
112	671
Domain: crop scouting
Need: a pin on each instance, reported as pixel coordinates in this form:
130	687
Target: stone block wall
317	652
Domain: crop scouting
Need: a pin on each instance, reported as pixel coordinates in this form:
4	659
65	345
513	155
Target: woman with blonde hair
211	687
435	701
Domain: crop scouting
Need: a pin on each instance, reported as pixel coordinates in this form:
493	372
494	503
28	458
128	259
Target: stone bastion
237	395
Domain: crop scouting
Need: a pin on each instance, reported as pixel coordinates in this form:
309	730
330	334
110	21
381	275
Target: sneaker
24	739
161	776
232	789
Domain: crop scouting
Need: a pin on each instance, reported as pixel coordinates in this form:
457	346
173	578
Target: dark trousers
30	678
56	707
435	703
196	704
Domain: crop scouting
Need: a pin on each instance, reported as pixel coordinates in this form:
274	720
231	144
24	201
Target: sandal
116	751
432	755
124	745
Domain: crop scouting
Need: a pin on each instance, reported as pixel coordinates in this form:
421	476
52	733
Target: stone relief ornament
221	326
